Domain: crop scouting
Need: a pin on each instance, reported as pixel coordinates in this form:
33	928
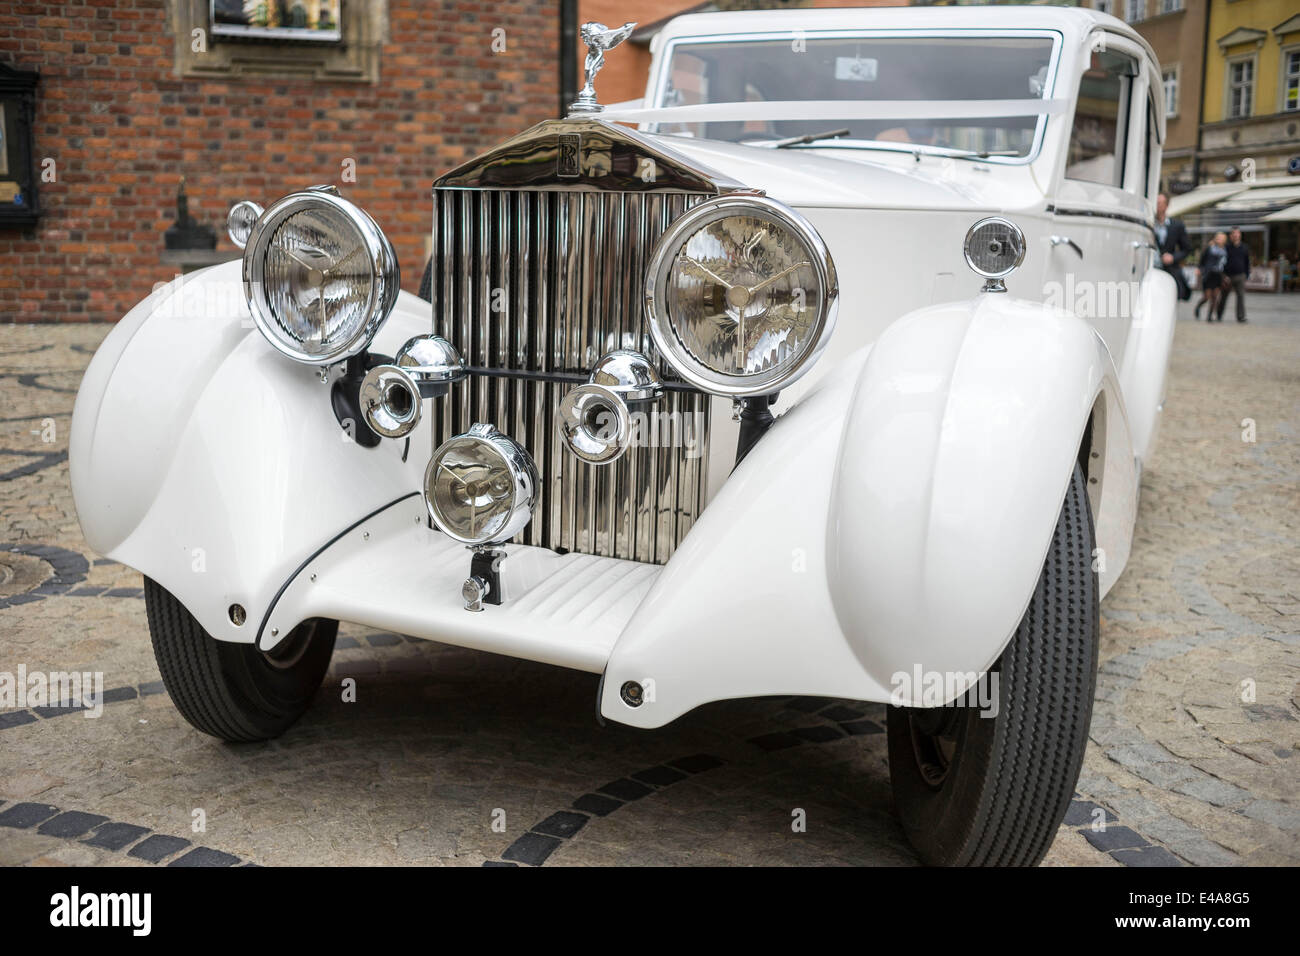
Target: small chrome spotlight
240	221
391	395
994	248
595	419
480	487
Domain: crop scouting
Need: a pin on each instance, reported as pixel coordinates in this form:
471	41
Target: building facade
131	101
1251	123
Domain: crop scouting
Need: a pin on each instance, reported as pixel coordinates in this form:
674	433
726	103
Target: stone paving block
158	847
597	804
23	815
1113	838
72	823
532	848
205	856
659	776
1085	813
1210	790
116	836
1146	856
1282	815
697	763
861	728
562	824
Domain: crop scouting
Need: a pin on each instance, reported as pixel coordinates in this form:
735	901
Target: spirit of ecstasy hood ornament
600	39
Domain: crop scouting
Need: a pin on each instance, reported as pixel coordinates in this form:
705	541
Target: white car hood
867	179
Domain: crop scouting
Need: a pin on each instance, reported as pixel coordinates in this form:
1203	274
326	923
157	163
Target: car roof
1074	22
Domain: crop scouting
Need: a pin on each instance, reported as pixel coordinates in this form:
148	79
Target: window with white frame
1291	81
1101	119
1170	6
1135	10
1241	88
1169	80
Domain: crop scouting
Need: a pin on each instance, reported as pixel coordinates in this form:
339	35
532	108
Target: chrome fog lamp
595	419
480	487
741	294
320	276
994	248
391	395
240	221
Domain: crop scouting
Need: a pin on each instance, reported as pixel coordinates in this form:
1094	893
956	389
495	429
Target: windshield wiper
801	140
976	153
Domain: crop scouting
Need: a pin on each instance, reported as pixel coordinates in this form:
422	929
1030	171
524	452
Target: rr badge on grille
568	165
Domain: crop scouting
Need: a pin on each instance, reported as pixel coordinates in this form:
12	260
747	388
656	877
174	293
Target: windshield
860	70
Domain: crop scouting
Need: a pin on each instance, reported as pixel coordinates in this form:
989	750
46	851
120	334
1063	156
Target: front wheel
235	691
975	790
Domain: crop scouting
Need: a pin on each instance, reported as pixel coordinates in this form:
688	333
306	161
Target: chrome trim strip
1098	214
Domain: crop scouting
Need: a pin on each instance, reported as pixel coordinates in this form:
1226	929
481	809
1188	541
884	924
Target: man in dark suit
1171	237
1237	272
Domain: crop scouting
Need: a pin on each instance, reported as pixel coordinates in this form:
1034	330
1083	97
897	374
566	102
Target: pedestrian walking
1171	237
1235	271
1213	261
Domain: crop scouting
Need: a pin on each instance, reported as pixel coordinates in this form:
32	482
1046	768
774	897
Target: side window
1097	138
1151	155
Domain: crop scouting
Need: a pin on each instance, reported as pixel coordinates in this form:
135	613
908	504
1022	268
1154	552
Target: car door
1103	208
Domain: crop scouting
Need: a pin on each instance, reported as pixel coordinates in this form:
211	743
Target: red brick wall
123	129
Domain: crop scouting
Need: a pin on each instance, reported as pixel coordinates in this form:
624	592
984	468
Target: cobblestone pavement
1194	744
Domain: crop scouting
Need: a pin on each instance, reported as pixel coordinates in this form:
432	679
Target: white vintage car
829	368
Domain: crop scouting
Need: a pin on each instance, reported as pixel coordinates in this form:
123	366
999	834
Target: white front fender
1146	358
898	515
213	464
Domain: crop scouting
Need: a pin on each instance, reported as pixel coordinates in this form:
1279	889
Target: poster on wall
313	20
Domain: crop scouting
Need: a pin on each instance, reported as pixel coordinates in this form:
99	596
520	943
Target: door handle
1140	244
1067	241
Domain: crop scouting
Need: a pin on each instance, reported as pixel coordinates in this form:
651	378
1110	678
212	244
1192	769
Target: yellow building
1251	107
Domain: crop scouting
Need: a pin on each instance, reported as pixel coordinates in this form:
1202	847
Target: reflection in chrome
564	257
595	418
391	395
742	295
320	277
480	487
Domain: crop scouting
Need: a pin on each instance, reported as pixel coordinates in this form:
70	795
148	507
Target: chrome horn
595	419
391	395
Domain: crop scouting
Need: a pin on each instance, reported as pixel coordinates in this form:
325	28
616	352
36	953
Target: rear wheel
976	790
235	691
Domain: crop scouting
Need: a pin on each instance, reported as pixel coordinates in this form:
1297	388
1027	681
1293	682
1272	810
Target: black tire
992	791
235	691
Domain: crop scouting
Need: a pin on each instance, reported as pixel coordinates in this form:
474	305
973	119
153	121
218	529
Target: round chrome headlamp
480	487
320	277
994	247
240	221
741	294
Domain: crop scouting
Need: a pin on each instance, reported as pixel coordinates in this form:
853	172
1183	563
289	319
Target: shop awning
1258	197
1289	214
1203	196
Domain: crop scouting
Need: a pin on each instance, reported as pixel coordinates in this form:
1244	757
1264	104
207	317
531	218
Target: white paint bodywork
897	513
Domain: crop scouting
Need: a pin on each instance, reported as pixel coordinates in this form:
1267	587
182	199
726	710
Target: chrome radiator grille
549	281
